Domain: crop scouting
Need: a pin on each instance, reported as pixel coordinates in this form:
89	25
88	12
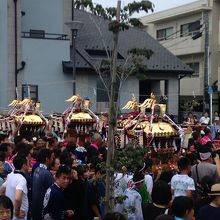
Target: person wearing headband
146	188
206	166
133	198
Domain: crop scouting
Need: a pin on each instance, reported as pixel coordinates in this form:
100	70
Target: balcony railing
43	35
178	34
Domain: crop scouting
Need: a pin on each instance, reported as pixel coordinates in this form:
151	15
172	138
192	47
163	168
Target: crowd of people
43	179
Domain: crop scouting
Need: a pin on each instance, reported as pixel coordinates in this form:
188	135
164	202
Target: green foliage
84	3
139	6
129	157
114	26
136	22
190	105
147	53
110	13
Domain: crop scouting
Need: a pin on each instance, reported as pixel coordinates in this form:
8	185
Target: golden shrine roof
81	117
31	120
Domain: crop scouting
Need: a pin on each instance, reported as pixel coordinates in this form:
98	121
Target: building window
165	34
32	89
102	54
195	68
37	33
102	94
190	29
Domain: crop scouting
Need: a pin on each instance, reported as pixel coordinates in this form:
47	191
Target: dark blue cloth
93	197
54	203
209	212
42	180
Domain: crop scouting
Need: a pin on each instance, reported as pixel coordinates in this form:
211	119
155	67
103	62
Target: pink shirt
205	139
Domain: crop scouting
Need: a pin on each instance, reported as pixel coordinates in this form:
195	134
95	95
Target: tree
120	20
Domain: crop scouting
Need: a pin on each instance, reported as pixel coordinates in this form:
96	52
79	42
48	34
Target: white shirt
149	183
133	199
204	120
17	182
181	184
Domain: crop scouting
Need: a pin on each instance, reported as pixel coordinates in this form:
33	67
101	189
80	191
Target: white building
175	29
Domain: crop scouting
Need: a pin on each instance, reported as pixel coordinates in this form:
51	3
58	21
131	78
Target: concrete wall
43	15
44	68
129	87
87	83
86	87
193	85
215	42
178	45
173	97
7	50
3	54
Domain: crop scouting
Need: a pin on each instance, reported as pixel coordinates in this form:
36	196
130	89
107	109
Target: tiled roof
89	38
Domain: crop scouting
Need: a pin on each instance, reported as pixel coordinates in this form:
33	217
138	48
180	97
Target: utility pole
206	104
74	51
75	26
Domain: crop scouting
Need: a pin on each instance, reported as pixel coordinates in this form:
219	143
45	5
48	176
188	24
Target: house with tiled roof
48	55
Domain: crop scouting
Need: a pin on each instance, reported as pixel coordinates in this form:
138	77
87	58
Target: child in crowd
6	208
182	208
182	184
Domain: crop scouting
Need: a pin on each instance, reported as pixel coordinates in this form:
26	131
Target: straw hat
215	190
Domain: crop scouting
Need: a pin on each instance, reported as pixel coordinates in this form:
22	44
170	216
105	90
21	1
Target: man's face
50	160
63	181
217	201
216	145
192	148
25	168
9	151
99	141
99	176
139	185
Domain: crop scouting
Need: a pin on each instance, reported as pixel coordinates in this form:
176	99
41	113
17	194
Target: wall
86	87
129	87
7	50
3	54
43	15
193	85
178	45
44	68
87	84
173	97
215	43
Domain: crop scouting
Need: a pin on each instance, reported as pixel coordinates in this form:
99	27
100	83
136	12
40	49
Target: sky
159	4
